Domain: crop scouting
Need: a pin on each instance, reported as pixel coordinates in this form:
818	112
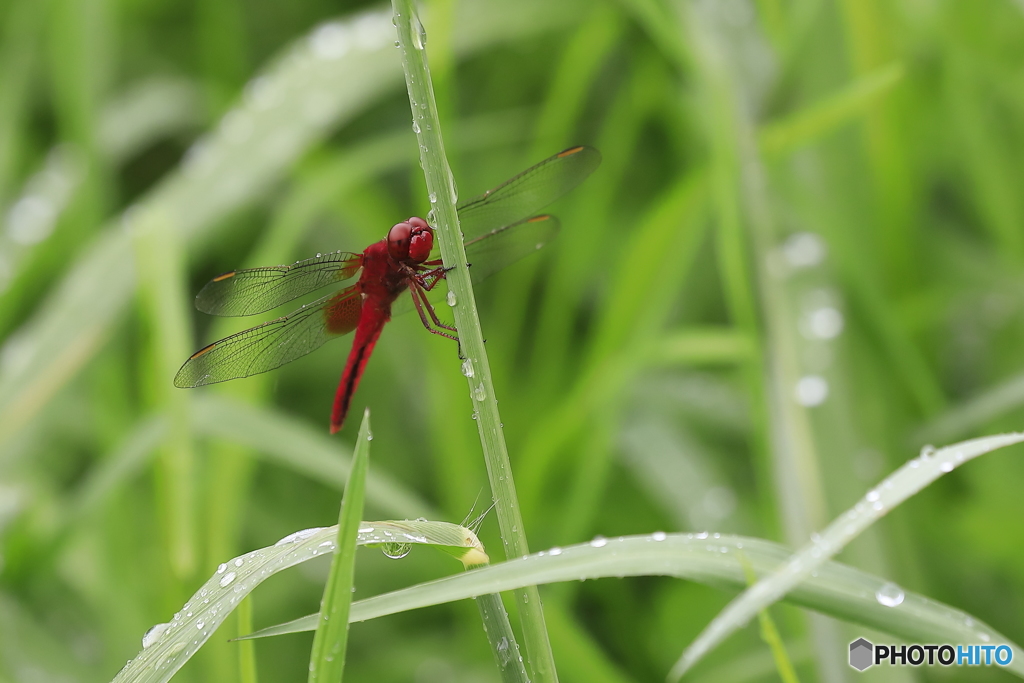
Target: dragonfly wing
528	192
256	290
492	251
273	343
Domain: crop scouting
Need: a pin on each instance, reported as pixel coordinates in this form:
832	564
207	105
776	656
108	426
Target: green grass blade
295	444
442	193
714	559
327	660
166	647
902	484
807	125
502	639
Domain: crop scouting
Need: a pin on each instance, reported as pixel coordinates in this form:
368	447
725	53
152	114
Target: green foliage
799	263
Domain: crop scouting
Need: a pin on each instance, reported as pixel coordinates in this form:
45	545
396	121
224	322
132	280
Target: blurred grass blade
330	643
713	559
807	125
22	24
162	290
124	464
974	413
700	346
166	647
146	112
770	634
879	501
293	443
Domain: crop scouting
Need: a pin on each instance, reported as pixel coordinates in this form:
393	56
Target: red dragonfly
499	228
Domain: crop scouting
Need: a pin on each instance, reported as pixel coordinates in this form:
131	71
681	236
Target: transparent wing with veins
527	193
273	343
257	290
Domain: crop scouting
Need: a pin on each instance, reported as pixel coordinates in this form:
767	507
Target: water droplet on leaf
889	595
395	551
154	634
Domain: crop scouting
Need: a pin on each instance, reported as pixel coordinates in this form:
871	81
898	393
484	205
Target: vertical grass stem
442	193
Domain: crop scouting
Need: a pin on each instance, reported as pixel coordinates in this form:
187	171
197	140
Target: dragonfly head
410	240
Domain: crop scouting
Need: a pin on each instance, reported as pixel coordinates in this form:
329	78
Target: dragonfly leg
429	279
420	302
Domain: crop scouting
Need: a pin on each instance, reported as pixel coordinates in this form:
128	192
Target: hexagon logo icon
861	652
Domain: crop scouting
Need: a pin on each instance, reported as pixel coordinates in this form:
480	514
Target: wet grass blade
327	660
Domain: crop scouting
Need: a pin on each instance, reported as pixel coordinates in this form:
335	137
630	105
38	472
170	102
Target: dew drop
433	195
395	551
200	624
221	568
555	551
467	367
927	451
226	580
154	634
872	495
415	128
598	542
452	300
291	538
419	34
946	466
659	536
480	393
504	652
889	595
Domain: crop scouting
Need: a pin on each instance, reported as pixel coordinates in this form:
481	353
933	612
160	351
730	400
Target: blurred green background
799	263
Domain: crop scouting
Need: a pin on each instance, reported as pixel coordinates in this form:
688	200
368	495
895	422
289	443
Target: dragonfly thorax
410	241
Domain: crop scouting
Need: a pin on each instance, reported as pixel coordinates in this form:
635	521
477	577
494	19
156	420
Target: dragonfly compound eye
422	240
399	238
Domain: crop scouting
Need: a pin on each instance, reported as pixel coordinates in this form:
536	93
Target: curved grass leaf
878	502
717	560
166	647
